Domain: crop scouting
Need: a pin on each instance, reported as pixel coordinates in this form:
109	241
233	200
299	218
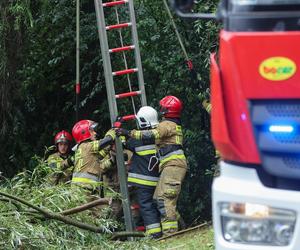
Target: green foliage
21	228
39	96
200	239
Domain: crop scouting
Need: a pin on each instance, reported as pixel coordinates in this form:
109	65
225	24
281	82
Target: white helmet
147	117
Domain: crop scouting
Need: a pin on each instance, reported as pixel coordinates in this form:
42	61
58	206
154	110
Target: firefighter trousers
148	210
166	196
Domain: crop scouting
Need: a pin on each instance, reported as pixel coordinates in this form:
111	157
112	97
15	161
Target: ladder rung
128	117
128	94
118	26
121	49
123	72
109	4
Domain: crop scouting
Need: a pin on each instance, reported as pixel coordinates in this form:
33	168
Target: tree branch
59	217
102	201
119	235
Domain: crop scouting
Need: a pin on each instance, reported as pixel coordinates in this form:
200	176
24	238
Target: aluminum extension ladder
110	75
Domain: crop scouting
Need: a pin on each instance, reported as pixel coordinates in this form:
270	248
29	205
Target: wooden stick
102	201
118	235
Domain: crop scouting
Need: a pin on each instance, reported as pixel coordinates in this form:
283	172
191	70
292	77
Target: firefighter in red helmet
170	107
91	155
61	162
168	139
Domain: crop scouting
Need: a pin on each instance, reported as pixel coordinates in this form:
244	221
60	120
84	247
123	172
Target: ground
200	239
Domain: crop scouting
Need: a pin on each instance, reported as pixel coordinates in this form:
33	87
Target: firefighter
61	162
89	153
168	139
204	97
143	172
206	105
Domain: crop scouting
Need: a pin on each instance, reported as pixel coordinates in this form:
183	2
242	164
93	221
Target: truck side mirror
184	5
183	9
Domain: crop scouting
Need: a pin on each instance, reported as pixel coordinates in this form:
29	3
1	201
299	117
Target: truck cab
255	120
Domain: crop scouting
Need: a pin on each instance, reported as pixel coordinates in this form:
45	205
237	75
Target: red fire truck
255	97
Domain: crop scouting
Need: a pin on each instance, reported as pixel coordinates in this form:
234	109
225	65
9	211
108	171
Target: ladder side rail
113	112
137	53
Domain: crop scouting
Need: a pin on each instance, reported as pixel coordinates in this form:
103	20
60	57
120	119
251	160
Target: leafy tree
37	69
16	18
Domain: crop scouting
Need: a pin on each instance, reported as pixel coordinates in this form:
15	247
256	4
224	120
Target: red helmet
63	136
81	130
170	106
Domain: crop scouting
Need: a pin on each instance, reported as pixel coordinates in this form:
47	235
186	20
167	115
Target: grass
201	239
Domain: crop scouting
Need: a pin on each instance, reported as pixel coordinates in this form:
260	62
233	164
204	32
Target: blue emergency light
281	128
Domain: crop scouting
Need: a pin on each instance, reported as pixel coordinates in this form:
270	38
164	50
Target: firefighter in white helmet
143	173
168	139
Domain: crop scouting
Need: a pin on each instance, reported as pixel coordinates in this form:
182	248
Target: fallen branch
29	213
12	202
50	215
102	201
119	235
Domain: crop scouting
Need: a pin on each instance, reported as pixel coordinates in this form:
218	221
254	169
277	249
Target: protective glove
122	131
204	95
118	122
71	160
217	154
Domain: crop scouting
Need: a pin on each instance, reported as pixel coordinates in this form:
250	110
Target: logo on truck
277	68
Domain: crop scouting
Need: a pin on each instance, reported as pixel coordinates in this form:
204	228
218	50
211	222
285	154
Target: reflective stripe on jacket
146	150
142	179
85	178
90	164
167	133
143	170
178	154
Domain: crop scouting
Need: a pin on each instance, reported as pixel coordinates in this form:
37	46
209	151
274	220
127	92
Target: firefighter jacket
91	161
143	169
168	139
61	168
